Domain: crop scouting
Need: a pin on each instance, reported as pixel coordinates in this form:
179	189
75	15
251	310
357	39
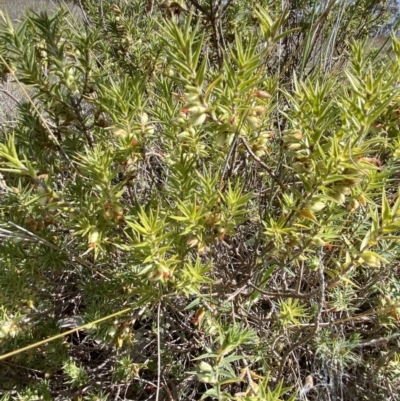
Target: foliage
200	201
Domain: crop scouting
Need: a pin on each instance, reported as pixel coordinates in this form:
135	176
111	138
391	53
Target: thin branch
214	20
315	328
283	294
64	334
377	341
11	96
227	4
314	28
81	261
249	379
257	159
234	295
358	318
199	7
158	353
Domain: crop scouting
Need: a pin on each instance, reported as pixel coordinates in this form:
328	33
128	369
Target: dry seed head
202	249
317	206
308	383
191	242
339	197
144	118
118	212
370	260
267	134
119	132
342	190
179	121
115	9
149	130
294	146
371	160
298	168
351	182
262	94
192	98
165	4
179	6
353	205
260	110
260	152
197	109
192	89
158	273
198	316
205	367
292	136
93	236
183	135
318	241
197	119
221	138
254	122
362	200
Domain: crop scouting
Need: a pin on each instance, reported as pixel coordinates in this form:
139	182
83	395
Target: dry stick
282	294
199	7
361	317
85	17
232	296
257	159
144	381
230	151
47	340
158	353
377	341
222	36
214	18
5	91
168	391
315	327
227	4
249	379
150	6
313	29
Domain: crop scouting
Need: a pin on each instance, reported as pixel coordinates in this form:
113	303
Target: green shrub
200	205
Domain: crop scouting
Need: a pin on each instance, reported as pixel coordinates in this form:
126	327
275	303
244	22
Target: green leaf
201	72
386	215
211	87
192	304
396	206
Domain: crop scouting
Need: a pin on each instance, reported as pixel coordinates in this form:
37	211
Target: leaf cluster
199	201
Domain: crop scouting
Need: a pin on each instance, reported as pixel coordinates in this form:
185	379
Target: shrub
200	205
